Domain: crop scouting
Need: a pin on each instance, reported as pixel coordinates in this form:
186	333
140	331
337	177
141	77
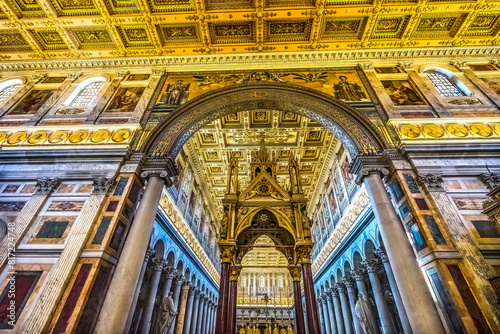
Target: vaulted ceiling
94	29
285	134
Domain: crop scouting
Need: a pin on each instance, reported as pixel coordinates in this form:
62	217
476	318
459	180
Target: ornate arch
283	221
355	131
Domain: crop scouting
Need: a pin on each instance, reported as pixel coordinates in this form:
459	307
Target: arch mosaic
355	131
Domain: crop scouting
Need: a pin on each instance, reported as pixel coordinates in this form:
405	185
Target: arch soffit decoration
283	221
356	132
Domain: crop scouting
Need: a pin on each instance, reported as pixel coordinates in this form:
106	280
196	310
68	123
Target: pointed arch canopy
355	131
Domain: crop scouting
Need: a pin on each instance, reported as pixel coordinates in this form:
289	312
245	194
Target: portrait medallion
481	130
99	136
457	130
497	129
78	136
37	137
410	131
58	136
434	131
16	138
120	135
3	135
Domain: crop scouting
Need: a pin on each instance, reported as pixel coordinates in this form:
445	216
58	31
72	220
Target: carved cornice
102	185
46	186
492	179
431	182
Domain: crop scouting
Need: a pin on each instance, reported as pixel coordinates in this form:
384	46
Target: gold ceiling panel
135	35
232	4
3	16
172	34
74	7
298	30
12	40
49	39
27	8
439	25
485	24
92	37
232	32
123	7
343	28
289	3
165	6
390	26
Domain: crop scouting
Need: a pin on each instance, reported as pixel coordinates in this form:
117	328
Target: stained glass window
87	94
443	84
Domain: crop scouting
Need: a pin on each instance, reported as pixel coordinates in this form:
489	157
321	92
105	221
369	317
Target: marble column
193	291
147	314
201	314
169	276
149	252
114	312
54	285
177	292
417	298
43	190
297	296
383	310
331	313
182	308
214	316
339	318
403	317
194	318
359	276
346	310
326	315
227	253
322	326
311	309
350	284
233	298
209	317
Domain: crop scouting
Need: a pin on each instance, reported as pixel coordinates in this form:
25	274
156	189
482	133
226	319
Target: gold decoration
457	130
481	130
99	136
78	136
3	135
410	131
227	252
58	137
120	135
497	128
434	131
16	138
235	273
295	273
304	252
37	137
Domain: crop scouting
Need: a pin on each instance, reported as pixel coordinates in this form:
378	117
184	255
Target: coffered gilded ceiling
98	29
239	134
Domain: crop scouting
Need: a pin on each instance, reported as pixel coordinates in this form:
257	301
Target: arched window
280	281
262	281
86	92
7	88
446	84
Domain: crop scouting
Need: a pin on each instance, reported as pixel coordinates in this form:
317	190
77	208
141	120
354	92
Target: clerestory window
8	88
447	86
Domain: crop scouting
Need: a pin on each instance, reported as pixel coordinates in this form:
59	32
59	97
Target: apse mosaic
344	85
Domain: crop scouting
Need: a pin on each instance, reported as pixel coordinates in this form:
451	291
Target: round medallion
410	131
99	136
120	135
497	128
16	138
3	135
58	137
78	136
434	131
457	130
481	130
37	137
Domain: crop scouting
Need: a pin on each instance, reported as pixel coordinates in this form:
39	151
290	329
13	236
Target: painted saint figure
364	314
176	94
167	315
347	91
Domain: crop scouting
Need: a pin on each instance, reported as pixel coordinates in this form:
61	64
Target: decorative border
451	129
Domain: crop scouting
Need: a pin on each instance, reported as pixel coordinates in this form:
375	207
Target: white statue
364	314
167	315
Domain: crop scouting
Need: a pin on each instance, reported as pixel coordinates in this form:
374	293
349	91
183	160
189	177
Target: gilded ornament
481	130
497	129
58	137
410	131
78	136
99	136
120	135
37	137
16	138
3	135
434	131
457	130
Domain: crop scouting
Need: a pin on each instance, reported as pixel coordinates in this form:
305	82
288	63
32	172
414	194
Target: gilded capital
295	273
304	253
235	273
227	252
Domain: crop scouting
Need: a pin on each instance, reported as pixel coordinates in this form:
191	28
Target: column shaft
233	291
177	292
182	308
351	292
147	314
382	308
331	313
346	310
116	306
311	309
194	319
199	323
339	317
220	323
189	313
299	311
415	293
326	317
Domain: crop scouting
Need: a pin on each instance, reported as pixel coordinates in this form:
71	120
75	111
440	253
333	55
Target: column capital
169	272
382	255
492	179
334	292
158	264
178	280
227	252
460	64
366	66
47	185
359	274
304	253
370	265
162	174
365	164
235	273
349	282
341	287
196	292
432	182
295	273
186	285
149	253
102	185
